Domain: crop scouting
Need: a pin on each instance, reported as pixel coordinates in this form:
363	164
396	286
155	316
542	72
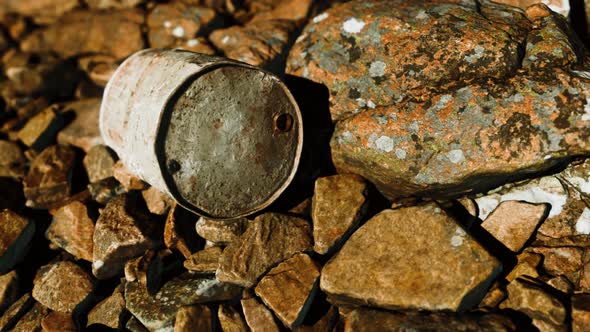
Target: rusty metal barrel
221	137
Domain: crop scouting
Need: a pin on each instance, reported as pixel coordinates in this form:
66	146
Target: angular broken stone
109	312
361	320
99	68
72	230
559	6
294	10
40	131
178	231
159	311
58	322
99	162
62	286
561	283
230	319
105	190
146	269
16	233
258	317
580	312
514	222
269	239
194	318
126	178
526	266
121	232
42	11
10	317
13	160
566	261
495	295
204	261
383	259
107	4
289	288
527	295
31	321
117	33
47	183
9	288
157	202
339	203
83	131
221	231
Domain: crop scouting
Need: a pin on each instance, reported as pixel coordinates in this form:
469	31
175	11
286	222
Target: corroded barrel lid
226	139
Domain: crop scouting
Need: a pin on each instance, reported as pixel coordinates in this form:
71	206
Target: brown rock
289	288
117	33
40	131
339	203
269	239
194	318
514	222
103	191
258	317
16	233
560	6
157	202
47	183
134	325
99	162
159	311
41	11
303	209
529	296
178	231
122	232
230	319
16	311
107	4
9	287
562	284
361	320
146	269
326	322
13	160
382	261
72	230
580	312
221	231
495	295
58	322
31	321
205	261
526	266
62	286
198	45
294	10
109	312
99	68
126	178
83	131
567	261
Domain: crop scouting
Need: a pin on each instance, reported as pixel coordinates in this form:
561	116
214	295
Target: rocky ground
444	184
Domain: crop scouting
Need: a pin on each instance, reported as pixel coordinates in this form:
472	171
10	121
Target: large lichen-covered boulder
440	98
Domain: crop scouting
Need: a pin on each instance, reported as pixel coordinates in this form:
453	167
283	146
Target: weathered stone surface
99	68
513	222
495	295
568	222
121	232
13	160
9	287
257	316
230	319
110	311
83	131
561	283
47	183
126	178
567	261
106	4
204	261
72	230
198	45
15	311
221	231
99	162
158	312
42	11
398	257
339	203
178	231
157	202
194	318
134	325
105	190
361	320
580	312
269	239
261	43
326	322
40	131
559	6
294	10
526	266
289	288
117	33
62	286
58	322
146	269
16	233
31	321
528	296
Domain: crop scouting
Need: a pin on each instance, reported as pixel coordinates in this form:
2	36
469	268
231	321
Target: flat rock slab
258	317
204	261
339	203
99	162
221	231
16	233
230	319
400	256
269	239
62	286
194	318
513	222
72	230
159	311
289	288
110	311
83	131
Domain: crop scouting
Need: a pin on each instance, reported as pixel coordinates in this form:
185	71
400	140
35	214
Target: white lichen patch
478	54
458	237
384	143
586	115
345	137
377	68
456	156
583	223
400	153
581	184
361	102
178	32
370	104
320	17
441	102
422	15
352	25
